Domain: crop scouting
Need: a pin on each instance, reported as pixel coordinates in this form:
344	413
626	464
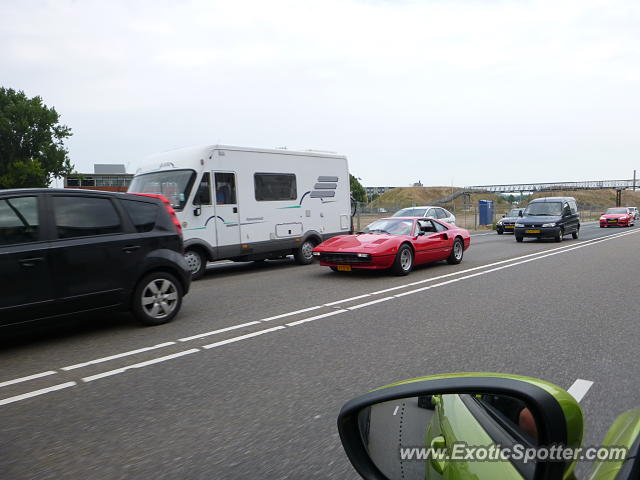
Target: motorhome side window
275	186
225	188
203	195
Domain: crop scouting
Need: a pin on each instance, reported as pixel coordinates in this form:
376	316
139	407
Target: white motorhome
248	204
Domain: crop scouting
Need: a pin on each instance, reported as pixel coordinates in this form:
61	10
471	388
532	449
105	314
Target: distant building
377	190
105	176
418	184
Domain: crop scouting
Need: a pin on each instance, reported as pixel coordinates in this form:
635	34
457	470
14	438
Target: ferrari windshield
173	184
544	209
616	210
410	212
390	226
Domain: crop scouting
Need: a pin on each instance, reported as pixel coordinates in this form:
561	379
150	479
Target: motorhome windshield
544	208
173	184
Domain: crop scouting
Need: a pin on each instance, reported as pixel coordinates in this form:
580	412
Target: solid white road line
118	355
484	272
139	365
579	388
317	317
282	315
347	300
35	393
366	304
243	337
26	379
214	332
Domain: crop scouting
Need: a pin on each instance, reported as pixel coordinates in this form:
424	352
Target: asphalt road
258	396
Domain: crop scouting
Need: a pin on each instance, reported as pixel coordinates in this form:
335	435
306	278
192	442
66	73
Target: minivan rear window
143	214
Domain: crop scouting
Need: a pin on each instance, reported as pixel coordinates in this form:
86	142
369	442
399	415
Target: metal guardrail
541	187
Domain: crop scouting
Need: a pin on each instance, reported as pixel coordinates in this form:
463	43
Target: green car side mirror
464	425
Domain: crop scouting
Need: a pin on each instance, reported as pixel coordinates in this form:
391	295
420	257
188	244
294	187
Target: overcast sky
444	91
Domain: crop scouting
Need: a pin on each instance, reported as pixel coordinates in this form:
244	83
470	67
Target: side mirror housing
443	411
520	213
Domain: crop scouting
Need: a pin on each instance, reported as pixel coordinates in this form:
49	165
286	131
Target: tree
357	190
32	151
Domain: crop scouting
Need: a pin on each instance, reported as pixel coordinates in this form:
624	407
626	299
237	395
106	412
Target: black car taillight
168	208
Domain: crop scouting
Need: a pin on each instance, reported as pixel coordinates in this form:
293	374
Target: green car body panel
623	433
466	427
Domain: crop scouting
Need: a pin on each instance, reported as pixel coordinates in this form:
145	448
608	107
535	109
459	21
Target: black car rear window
143	214
18	220
78	216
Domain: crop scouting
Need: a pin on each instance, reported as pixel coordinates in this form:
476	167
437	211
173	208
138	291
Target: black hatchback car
72	251
549	217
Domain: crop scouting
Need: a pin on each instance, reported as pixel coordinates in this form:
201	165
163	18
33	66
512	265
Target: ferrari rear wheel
403	263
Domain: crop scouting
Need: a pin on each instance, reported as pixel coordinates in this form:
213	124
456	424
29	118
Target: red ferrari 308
396	243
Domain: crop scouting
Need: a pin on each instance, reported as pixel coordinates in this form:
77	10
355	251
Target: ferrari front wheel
456	252
403	263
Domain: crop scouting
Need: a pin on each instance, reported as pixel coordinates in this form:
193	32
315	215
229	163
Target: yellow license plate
344	268
612	221
532	231
508	226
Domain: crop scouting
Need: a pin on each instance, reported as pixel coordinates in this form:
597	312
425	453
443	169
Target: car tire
157	299
196	261
499	231
519	238
457	252
576	234
559	236
304	255
403	263
335	269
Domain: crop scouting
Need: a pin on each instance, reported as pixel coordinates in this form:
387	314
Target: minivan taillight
168	207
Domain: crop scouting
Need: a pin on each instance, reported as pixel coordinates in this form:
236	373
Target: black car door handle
30	262
130	248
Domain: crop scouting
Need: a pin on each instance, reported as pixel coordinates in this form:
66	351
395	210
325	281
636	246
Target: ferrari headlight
316	254
364	255
519	224
548	224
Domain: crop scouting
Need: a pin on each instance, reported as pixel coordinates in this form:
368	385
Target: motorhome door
227	215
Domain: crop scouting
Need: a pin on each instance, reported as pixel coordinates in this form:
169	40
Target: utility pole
634	180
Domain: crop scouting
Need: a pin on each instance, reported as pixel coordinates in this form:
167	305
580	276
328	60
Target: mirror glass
431	436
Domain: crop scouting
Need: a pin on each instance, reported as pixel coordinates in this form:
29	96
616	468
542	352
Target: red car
617	217
396	243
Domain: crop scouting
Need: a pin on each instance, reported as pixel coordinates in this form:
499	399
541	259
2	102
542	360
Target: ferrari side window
439	227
